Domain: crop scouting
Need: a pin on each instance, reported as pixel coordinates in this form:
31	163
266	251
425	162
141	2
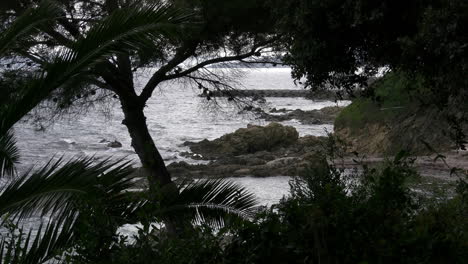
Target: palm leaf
112	191
56	187
123	31
9	155
49	241
211	201
57	190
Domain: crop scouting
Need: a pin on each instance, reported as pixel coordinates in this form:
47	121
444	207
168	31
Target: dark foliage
368	217
328	40
379	220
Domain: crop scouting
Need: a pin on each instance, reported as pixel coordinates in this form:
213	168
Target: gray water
175	114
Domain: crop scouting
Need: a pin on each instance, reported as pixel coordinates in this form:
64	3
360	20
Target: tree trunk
144	146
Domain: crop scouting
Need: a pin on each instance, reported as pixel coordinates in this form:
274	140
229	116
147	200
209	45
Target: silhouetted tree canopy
200	34
326	41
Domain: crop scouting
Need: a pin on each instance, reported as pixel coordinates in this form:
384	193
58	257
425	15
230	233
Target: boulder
242	172
282	162
325	115
114	144
246	140
281	110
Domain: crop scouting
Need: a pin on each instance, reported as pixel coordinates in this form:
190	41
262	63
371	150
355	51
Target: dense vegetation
377	215
426	41
334	219
369	217
328	40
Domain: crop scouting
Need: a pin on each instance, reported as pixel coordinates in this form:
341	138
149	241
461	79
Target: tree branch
264	62
256	48
181	55
185	52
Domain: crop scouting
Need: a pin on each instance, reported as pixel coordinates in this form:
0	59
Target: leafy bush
331	219
368	216
391	97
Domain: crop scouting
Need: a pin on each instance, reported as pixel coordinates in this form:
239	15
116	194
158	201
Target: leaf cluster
332	218
344	43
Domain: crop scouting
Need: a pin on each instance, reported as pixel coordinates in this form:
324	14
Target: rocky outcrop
114	144
414	130
325	115
111	144
246	140
272	150
399	112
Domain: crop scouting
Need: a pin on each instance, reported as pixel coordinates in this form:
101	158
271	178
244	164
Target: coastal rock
242	172
366	128
281	110
285	154
285	166
325	115
246	140
114	144
282	162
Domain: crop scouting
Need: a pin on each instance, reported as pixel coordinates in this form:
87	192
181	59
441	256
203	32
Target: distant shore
306	93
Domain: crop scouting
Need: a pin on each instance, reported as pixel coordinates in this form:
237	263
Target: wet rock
246	140
272	150
254	161
259	99
325	115
291	161
264	155
114	144
191	155
249	108
332	111
39	127
286	166
281	110
170	158
242	172
281	162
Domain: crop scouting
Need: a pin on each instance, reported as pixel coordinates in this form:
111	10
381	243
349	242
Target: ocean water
175	114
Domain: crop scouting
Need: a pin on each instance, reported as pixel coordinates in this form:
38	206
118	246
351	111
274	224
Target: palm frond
49	241
211	201
9	155
113	190
56	187
57	191
123	31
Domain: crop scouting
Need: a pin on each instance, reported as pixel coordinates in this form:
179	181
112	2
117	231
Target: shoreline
425	165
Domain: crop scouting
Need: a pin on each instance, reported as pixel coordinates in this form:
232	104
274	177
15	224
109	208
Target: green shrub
368	216
331	219
391	97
